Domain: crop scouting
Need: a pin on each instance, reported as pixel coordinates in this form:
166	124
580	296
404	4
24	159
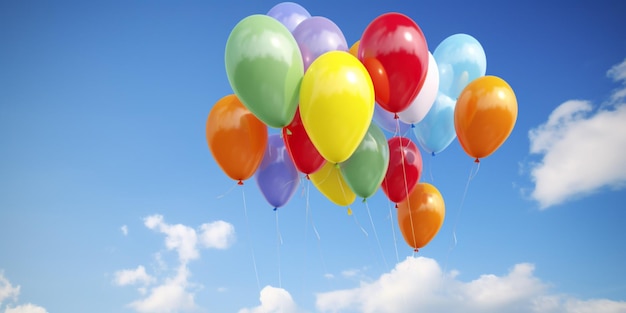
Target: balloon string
397	130
305	193
380	247
309	212
430	168
245	210
471	176
279	242
319	242
361	227
228	191
343	191
408	200
393	231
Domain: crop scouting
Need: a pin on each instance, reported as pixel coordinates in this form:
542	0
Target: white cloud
583	150
124	230
274	300
25	308
419	285
171	296
179	237
7	291
175	293
131	277
350	273
218	235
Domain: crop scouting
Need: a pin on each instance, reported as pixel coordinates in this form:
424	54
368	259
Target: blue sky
110	200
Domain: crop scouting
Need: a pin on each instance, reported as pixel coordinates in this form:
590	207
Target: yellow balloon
336	104
330	183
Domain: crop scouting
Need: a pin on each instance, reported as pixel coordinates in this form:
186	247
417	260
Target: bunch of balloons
295	72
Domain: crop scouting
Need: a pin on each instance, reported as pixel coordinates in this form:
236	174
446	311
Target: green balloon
365	170
265	68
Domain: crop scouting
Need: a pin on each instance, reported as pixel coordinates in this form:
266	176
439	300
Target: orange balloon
421	215
354	50
236	138
379	79
377	73
485	115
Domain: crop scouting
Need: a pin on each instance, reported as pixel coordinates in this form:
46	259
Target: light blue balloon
436	131
460	59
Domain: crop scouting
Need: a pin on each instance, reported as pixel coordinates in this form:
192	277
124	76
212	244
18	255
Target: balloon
336	104
330	183
236	138
386	121
379	79
277	176
289	14
354	50
302	151
365	169
418	109
405	168
264	68
485	115
393	48
460	59
421	215
436	131
317	35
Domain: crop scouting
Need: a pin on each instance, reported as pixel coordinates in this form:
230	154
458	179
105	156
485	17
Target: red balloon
301	150
399	46
405	168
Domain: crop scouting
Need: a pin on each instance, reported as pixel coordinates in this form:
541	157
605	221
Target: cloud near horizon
420	285
582	148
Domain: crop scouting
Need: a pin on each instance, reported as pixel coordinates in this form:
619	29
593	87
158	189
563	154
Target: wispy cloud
174	293
582	147
124	230
131	277
9	292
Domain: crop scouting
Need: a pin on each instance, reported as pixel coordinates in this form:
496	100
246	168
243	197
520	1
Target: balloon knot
336	165
396	205
364	200
307	177
477	160
416	250
240	182
395	116
275	209
288	131
349	211
412	125
432	153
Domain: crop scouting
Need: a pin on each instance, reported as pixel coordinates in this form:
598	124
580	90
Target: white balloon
418	109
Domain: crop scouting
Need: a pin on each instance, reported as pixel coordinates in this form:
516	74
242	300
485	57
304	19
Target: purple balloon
277	176
316	36
386	121
289	14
